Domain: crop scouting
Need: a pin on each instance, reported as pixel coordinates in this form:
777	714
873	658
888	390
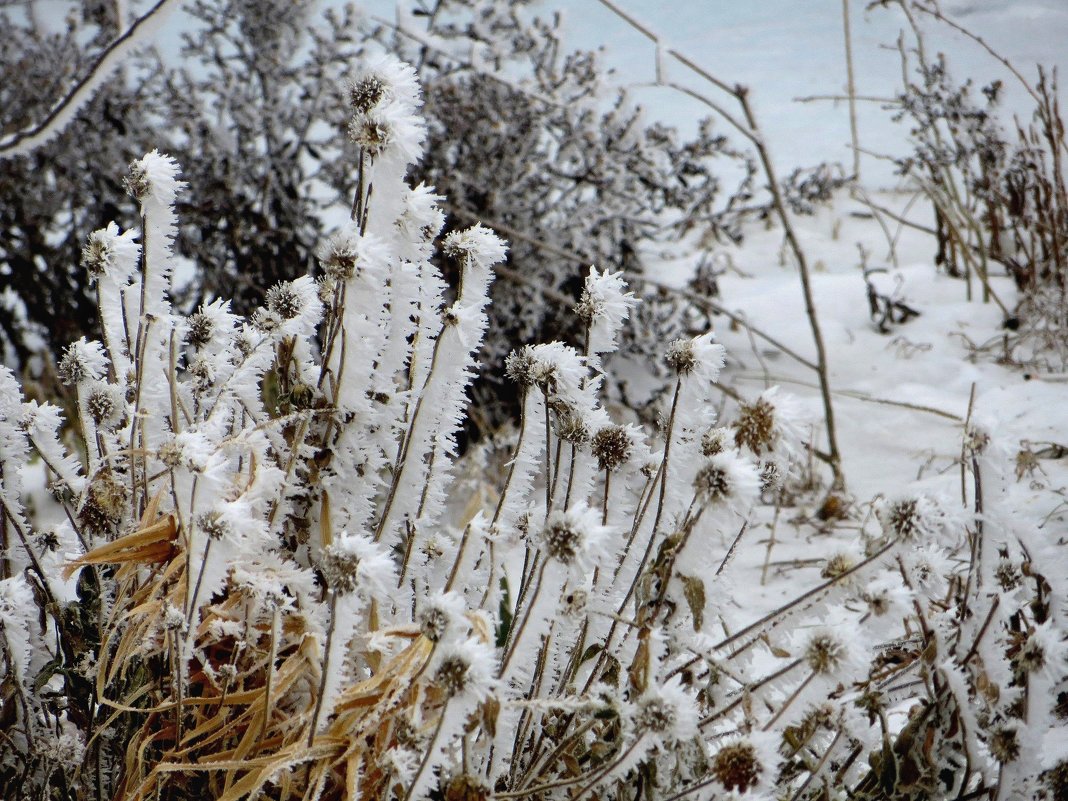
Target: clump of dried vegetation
270	576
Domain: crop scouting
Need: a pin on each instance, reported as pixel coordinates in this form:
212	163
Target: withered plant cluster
269	574
1000	197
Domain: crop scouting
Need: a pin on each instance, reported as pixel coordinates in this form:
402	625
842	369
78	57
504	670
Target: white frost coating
138	34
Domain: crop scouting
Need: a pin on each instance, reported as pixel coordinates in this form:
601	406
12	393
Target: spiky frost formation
603	307
666	713
919	519
612	446
728	480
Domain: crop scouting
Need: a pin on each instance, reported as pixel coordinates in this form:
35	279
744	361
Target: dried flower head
284	300
214	525
667	712
104	404
754	428
105	503
519	366
340	256
737	766
201	329
81	361
1005	744
366	92
612	446
714	441
574	537
570	427
681	357
727	479
370	133
339	566
97	254
136	182
824	652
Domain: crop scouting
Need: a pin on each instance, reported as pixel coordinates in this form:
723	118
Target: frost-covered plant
999	197
266	579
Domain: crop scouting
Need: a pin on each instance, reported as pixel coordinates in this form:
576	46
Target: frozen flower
366	92
831	649
154	177
82	361
575	538
519	366
771	423
441	617
476	246
918	519
604	306
746	763
354	562
107	252
714	441
1045	652
928	569
699	356
284	300
105	404
465	670
727	479
886	596
668	713
612	446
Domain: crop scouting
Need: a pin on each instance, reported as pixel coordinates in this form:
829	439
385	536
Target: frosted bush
266	580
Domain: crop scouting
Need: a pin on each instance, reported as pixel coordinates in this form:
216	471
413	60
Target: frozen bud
213	524
173	618
654	715
465	669
519	366
1008	575
574	537
1043	652
1005	744
699	356
104	505
451	674
433	623
370	133
772	475
824	652
837	564
572	428
171	454
366	92
137	183
680	356
612	446
81	361
104	403
438	616
340	256
714	441
667	712
97	254
737	766
476	245
727	479
754	427
285	301
265	320
340	567
201	329
910	519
